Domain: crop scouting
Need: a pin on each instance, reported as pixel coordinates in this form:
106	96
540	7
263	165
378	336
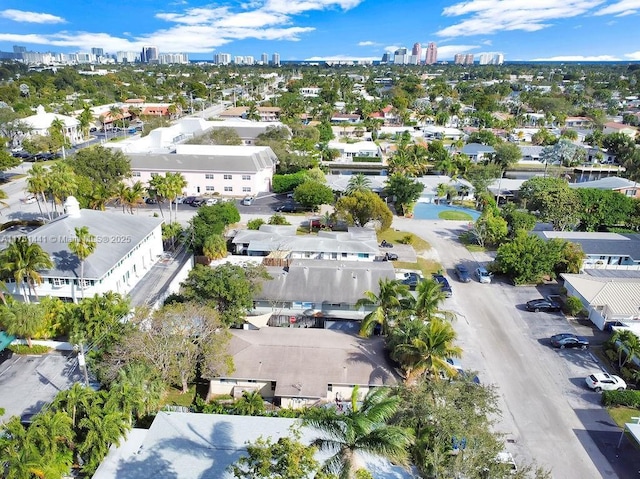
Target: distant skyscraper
417	51
264	58
222	58
126	57
99	52
432	54
19	49
486	59
386	58
149	54
458	59
400	56
468	59
498	59
275	59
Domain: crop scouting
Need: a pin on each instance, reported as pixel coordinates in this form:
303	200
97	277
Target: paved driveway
27	383
549	416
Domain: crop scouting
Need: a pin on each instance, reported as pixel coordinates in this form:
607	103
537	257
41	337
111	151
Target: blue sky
562	30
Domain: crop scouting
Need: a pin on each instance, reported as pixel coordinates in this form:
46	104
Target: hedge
25	349
367	159
627	398
288	182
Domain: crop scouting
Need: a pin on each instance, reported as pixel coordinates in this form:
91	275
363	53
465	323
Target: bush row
627	398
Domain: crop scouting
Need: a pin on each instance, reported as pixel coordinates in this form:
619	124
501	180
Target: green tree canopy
405	191
552	200
105	166
208	221
362	207
312	194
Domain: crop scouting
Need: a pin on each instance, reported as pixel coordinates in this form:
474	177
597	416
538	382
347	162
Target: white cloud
578	58
635	56
342	58
367	44
492	16
202	29
391	48
620	8
30	17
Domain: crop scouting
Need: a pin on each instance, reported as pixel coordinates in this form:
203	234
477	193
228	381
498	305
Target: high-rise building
99	52
173	58
19	49
264	58
485	58
468	59
458	59
126	57
416	51
149	54
386	57
432	54
222	58
400	56
498	59
275	59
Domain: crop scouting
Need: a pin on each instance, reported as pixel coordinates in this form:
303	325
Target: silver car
483	275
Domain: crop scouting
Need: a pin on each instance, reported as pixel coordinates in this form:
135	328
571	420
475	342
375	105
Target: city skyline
576	30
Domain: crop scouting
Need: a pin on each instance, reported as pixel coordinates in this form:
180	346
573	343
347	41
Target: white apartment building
41	122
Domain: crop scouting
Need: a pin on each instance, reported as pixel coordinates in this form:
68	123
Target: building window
245	177
209	188
334	255
153	175
136	173
363	255
630	192
228	189
58	282
344	255
228	177
208	176
246	189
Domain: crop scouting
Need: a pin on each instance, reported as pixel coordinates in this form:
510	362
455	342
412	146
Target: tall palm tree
389	303
51	430
175	184
23	260
358	182
363	429
59	128
101	428
83	246
134	195
62	182
628	346
19	453
115	112
429	297
158	189
75	402
38	184
427	353
85	118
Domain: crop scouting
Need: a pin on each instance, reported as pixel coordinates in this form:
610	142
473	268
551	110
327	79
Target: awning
5	340
634	430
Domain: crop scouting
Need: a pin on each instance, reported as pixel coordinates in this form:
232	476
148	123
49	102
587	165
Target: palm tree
250	404
115	112
62	182
358	182
628	345
38	184
364	429
389	303
136	391
50	430
19	454
75	401
83	246
85	118
23	319
23	260
429	297
101	428
427	353
58	127
133	196
159	190
175	184
214	247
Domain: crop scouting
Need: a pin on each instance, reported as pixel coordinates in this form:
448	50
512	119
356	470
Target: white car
29	199
607	382
210	201
483	275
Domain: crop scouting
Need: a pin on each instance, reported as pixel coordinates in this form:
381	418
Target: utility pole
83	364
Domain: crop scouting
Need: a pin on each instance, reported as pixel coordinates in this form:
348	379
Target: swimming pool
430	211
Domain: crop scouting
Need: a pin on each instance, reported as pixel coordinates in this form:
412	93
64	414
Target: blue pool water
430	211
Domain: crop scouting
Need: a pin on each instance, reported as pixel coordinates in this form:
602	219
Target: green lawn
398	237
455	216
622	415
174	397
426	266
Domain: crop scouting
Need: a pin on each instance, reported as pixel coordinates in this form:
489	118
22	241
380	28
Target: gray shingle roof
189	445
609	183
247	159
116	234
476	149
315	358
599	243
325	281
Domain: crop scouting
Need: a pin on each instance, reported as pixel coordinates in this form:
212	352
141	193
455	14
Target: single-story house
577	122
310	91
435	132
227	170
431	182
247	130
603	250
477	151
339	183
127	247
350	131
613	127
606	299
308	289
266	113
296	367
531	154
346	118
600	155
41	122
361	149
613	183
204	446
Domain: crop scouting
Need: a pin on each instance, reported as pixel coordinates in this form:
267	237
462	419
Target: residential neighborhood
430	270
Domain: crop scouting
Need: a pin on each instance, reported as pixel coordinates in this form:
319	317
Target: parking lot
29	382
546	406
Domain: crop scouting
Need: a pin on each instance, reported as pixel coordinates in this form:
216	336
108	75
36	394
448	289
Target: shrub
255	223
25	349
574	305
278	220
288	182
406	239
627	398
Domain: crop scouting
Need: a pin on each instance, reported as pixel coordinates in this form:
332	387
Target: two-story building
211	169
127	246
40	124
359	151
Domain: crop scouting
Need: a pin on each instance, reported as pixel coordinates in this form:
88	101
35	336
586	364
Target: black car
463	273
543	304
412	280
287	208
569	340
444	284
188	200
390	257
